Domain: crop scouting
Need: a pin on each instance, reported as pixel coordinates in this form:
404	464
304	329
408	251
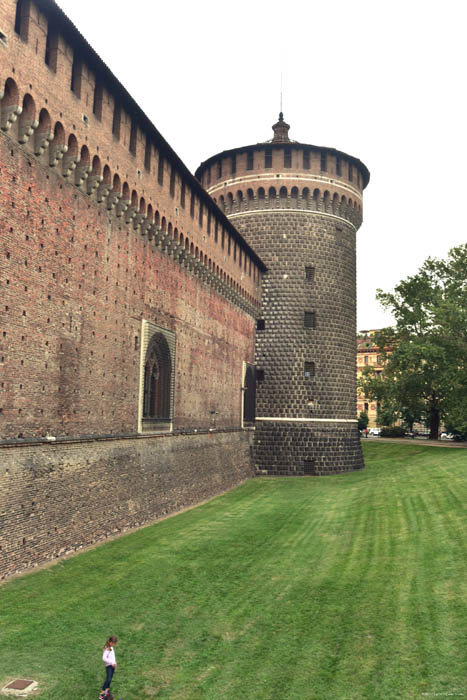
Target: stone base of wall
306	449
58	498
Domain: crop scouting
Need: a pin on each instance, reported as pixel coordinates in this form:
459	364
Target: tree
363	420
425	353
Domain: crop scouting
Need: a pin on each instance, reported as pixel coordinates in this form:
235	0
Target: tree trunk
434	422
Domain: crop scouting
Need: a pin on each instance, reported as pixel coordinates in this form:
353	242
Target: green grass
352	586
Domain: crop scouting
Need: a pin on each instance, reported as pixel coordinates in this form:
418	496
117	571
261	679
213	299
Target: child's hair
111	640
109	696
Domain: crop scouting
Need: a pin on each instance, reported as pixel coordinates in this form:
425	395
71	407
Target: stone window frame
152	334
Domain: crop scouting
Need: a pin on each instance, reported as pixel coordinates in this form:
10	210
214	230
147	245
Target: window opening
309	319
51	48
323	161
97	101
76	71
133	135
268	158
160	170
309	369
116	120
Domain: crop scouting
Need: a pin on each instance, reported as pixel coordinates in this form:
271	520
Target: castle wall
105	233
57	498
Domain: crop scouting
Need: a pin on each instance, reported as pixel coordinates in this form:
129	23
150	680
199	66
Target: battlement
65	107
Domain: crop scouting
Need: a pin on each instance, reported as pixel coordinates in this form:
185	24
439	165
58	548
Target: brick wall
75	283
57	498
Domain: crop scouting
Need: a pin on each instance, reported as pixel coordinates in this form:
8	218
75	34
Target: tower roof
281	130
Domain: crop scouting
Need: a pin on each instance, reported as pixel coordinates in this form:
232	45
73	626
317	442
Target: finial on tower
281	130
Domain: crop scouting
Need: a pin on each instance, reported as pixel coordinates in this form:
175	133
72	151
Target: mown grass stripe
351	586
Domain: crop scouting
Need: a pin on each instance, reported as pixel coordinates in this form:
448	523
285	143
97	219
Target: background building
368	355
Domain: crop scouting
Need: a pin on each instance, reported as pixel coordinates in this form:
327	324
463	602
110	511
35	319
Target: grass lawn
353	586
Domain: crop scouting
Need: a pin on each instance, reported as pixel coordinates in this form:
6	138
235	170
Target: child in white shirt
108	657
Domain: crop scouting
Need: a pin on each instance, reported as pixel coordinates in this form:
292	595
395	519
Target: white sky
384	82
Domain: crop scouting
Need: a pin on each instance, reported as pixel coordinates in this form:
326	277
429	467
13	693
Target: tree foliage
425	353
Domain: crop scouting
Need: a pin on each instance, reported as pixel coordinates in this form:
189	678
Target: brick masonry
57	498
100	231
299	207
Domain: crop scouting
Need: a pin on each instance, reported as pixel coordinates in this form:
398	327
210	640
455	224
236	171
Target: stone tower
299	207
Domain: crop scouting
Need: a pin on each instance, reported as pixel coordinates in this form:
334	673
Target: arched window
157	383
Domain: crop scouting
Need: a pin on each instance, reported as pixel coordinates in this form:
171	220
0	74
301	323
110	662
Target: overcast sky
384	82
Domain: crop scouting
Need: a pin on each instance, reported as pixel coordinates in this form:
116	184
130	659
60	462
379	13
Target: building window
249	160
172	181
160	170
309	319
133	135
306	160
366	359
97	101
323	161
260	375
158	362
22	19
310	274
76	71
365	407
287	158
200	215
219	169
268	158
51	48
147	155
309	370
182	195
209	223
338	166
233	165
116	120
192	205
350	172
216	231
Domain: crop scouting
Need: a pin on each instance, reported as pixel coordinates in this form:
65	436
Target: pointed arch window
157	379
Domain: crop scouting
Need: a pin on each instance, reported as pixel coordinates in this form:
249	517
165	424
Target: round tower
299	207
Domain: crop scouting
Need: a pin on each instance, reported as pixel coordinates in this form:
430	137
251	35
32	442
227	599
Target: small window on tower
233	165
249	160
287	158
309	319
219	169
323	161
260	324
310	274
268	158
338	166
306	160
309	370
350	172
260	375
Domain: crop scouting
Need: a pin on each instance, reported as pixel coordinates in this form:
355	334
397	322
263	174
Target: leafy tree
363	420
425	353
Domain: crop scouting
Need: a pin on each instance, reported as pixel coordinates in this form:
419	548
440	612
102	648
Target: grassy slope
342	587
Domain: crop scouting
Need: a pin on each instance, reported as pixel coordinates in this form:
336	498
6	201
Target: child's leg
108	678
